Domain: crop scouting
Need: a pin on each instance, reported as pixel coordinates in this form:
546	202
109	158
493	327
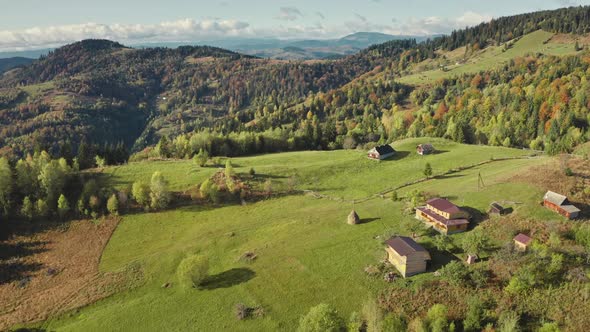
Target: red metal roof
443	205
521	238
441	219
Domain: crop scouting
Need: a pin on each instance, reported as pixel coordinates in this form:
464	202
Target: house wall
457	229
559	210
519	246
399	262
416	263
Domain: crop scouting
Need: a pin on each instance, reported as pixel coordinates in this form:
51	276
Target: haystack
353	218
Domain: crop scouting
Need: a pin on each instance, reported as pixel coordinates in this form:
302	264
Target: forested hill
102	92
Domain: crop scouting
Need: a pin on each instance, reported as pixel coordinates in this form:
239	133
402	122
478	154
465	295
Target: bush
355	323
454	272
549	327
141	193
569	172
321	318
27	209
113	205
475	315
192	270
437	318
160	196
508	322
394	323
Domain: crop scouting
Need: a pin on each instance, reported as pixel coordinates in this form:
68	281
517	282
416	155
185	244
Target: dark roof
384	149
556	198
426	147
443	205
522	239
404	245
497	206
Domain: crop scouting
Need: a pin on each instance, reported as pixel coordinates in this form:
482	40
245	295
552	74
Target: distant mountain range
10	63
274	48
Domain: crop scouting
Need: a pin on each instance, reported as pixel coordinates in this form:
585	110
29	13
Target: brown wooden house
560	204
426	148
381	152
522	242
444	216
408	257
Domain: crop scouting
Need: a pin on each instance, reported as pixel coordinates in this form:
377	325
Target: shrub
569	172
549	327
475	315
437	318
428	170
113	205
355	323
394	323
454	272
160	196
508	322
141	193
42	208
321	318
62	206
192	270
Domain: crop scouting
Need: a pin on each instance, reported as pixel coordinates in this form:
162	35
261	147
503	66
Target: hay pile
353	218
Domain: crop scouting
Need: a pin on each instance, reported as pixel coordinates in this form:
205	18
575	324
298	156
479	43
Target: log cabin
444	216
408	257
423	149
560	204
381	152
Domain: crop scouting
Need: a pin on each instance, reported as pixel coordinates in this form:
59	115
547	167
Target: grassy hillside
307	254
491	57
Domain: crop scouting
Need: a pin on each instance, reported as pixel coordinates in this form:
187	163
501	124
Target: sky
35	24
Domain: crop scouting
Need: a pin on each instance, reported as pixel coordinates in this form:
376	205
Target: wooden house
408	257
444	216
423	149
560	204
381	152
497	209
522	242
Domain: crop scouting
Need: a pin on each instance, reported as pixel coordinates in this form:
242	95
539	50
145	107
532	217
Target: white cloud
189	30
289	14
181	30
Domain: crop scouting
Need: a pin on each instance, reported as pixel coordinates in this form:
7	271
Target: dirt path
56	270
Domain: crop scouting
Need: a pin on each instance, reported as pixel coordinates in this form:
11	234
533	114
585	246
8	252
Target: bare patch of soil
56	270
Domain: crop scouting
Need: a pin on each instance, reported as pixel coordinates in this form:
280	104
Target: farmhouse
560	204
381	152
521	242
423	149
408	257
444	216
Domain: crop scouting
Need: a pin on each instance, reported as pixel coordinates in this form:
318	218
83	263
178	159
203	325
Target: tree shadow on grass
227	279
439	259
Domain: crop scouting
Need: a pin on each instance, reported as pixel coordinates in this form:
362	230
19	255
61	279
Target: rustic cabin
560	204
497	209
408	257
381	152
522	242
444	216
423	149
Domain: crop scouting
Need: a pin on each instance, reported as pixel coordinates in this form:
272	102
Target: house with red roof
444	216
522	242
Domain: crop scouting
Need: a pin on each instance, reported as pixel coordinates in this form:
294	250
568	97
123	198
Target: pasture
306	253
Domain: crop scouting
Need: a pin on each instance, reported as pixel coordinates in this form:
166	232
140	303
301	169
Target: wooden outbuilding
471	259
423	149
522	242
497	209
408	257
381	152
560	204
444	216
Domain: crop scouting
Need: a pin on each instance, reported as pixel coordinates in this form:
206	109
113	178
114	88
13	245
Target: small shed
497	209
381	152
353	218
522	242
471	259
426	148
408	257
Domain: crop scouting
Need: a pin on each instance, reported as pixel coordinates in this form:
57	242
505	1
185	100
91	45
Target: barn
408	257
381	152
560	204
423	149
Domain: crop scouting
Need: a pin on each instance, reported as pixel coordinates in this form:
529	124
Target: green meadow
494	57
306	252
